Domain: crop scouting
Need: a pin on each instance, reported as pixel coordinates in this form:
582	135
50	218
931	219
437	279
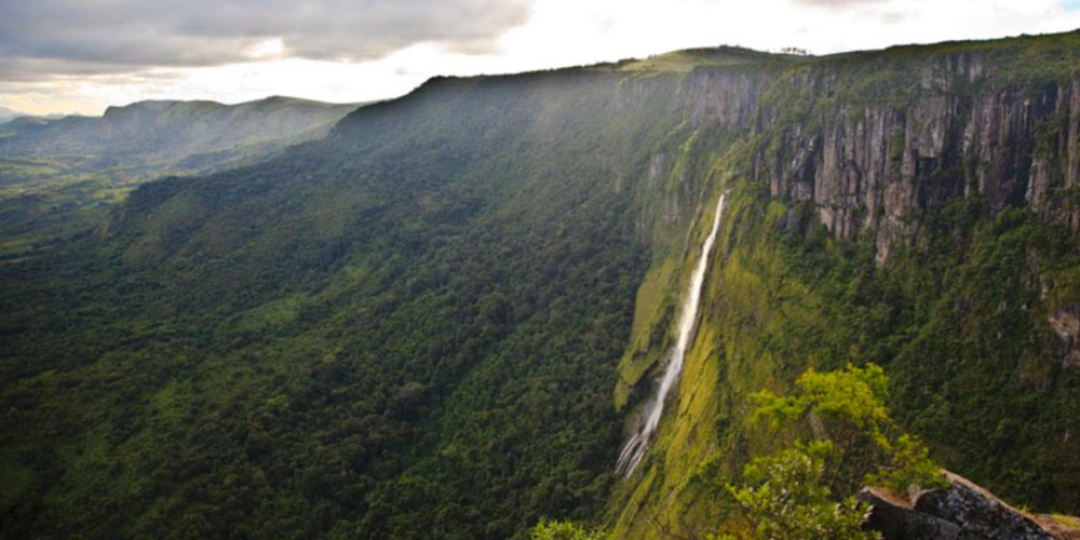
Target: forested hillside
434	322
407	330
60	176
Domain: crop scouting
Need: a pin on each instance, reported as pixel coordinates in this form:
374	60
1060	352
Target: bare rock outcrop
896	519
963	511
874	164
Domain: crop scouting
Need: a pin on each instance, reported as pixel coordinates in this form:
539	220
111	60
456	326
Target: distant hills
176	133
7	114
56	173
10	115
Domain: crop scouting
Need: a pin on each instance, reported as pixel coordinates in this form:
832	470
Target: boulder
895	518
978	512
963	511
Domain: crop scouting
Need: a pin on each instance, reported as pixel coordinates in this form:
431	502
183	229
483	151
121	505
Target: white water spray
634	449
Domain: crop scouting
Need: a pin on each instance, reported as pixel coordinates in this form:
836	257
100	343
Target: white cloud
267	49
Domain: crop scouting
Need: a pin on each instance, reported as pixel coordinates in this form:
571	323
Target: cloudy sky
79	56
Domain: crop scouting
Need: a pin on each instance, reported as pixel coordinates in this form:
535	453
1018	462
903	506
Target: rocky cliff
873	167
875	140
916	207
961	510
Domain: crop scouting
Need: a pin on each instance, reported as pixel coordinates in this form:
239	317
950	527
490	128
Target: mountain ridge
59	176
7	114
130	123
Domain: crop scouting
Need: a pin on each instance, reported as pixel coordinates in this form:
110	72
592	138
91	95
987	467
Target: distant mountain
7	114
58	175
177	133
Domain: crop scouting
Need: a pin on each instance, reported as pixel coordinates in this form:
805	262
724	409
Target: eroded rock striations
874	145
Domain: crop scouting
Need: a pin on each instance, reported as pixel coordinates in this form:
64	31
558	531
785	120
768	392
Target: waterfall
634	449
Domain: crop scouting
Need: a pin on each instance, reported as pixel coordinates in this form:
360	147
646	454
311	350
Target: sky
80	56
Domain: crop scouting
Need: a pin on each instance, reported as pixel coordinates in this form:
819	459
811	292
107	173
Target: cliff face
872	142
914	207
872	158
871	168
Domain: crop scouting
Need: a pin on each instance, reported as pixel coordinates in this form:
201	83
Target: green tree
786	498
565	530
848	408
805	491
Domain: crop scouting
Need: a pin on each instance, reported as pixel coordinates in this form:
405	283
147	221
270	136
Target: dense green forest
383	335
434	322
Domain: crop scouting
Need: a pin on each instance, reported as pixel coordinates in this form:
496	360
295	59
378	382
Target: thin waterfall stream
634	450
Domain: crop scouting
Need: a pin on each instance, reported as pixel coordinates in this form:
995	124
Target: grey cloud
40	37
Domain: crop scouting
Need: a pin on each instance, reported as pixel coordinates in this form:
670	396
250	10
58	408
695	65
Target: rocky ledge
963	511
